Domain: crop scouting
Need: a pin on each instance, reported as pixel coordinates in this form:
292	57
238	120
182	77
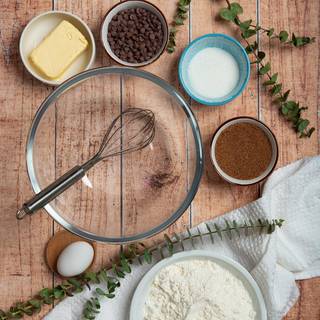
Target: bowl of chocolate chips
134	33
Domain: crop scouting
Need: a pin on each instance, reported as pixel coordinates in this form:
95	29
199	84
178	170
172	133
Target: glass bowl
125	198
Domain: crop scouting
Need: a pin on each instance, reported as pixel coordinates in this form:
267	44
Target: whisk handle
51	192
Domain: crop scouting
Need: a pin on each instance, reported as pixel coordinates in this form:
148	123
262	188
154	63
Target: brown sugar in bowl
244	151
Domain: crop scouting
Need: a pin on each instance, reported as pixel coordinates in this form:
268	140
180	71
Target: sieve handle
51	192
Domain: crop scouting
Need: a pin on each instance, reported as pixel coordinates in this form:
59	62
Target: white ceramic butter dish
39	27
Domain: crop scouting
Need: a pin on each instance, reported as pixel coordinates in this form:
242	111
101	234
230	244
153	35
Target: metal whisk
132	130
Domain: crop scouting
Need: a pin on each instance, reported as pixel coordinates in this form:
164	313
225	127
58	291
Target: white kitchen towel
275	261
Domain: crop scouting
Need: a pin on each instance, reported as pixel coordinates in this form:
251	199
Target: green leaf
95	302
170	49
91	276
35	303
227	14
235	225
119	273
303	124
103	276
283	36
179	21
88	315
147	256
58	293
74	282
270	32
218	230
45	293
125	264
285	96
284	109
111	286
210	232
301	41
245	25
291	110
271	228
184	3
169	244
272	80
228	229
252	47
276	89
100	292
265	69
183	8
248	33
236	8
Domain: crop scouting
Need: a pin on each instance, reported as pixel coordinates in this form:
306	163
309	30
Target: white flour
198	290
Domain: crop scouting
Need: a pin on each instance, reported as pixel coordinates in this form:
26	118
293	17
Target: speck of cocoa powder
243	151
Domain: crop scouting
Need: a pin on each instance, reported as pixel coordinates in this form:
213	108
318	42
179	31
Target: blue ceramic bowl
226	43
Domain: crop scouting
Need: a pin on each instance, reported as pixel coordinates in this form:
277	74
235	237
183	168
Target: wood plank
91	108
22	271
21	278
302	77
151	188
295	72
216	196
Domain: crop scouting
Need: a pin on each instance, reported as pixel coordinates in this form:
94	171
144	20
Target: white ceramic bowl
39	27
228	44
139	297
266	130
129	4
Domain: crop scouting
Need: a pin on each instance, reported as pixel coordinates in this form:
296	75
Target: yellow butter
58	50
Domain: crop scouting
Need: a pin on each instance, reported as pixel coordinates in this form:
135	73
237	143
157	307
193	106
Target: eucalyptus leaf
276	89
270	32
236	8
251	48
245	25
227	14
248	33
265	69
283	36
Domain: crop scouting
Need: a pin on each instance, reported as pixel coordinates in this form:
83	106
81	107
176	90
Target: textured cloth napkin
275	261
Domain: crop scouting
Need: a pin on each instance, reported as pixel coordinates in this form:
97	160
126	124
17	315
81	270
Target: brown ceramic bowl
129	4
269	134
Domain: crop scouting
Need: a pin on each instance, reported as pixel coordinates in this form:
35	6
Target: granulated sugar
198	290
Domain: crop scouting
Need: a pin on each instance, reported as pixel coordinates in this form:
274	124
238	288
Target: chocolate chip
135	35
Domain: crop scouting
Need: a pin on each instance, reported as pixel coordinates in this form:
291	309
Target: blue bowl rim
186	88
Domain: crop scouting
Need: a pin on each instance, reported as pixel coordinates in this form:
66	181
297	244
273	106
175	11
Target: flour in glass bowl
198	290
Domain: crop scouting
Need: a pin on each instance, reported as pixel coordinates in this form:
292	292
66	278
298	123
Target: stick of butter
58	50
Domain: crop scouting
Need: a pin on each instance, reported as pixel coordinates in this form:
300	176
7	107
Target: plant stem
74	285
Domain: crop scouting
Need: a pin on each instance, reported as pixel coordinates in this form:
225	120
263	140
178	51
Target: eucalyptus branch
110	278
249	29
179	18
290	109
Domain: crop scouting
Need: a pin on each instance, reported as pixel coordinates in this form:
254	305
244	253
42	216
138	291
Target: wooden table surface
22	269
